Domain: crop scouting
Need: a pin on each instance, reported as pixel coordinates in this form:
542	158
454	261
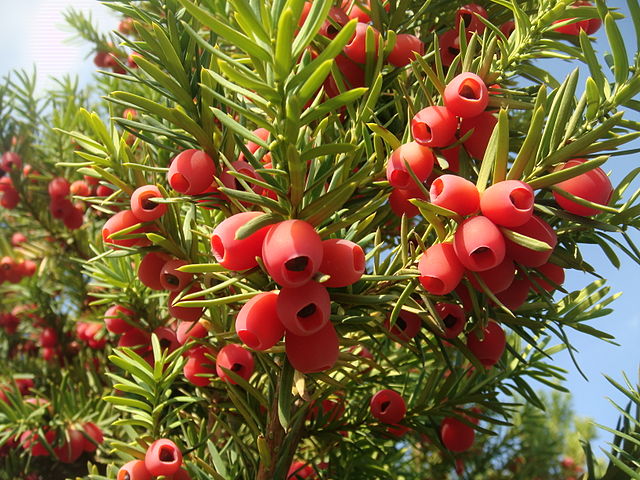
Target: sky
32	33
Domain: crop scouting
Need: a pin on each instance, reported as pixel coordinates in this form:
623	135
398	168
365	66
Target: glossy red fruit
11	160
163	457
388	406
30	440
237	359
399	201
72	448
301	471
508	203
253	147
134	470
95	434
470	16
406	327
516	294
405	49
172	279
343	260
120	221
136	339
479	244
304	310
59	187
17	239
186	314
482	126
167	338
292	252
189	330
452	156
103	191
150	268
434	126
537	229
414	156
10	199
80	188
455	193
593	186
191	172
356	49
453	317
589	25
466	95
352	74
497	279
336	16
554	276
60	207
449	43
440	269
507	28
200	366
143	207
119	319
181	474
232	253
48	337
258	324
456	436
74	218
313	353
489	349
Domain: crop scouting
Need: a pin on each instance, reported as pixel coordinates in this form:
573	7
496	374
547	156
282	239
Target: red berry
258	324
48	337
30	440
59	187
60	207
507	28
498	278
304	310
186	314
593	186
456	194
440	269
120	221
434	126
80	188
292	252
406	327
17	239
10	199
191	172
456	436
452	156
489	349
482	126
143	207
469	14
313	353
336	15
136	339
343	260
172	279
11	160
163	457
119	319
405	49
508	203
537	229
453	317
237	254
351	72
466	95
71	449
356	48
103	191
167	339
449	43
189	330
479	244
388	406
199	367
134	470
516	294
399	201
74	218
555	275
412	156
150	268
235	358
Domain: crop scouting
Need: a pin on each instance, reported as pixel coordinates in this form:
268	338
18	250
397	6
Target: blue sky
31	32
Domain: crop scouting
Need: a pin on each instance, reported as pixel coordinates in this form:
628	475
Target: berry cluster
163	458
